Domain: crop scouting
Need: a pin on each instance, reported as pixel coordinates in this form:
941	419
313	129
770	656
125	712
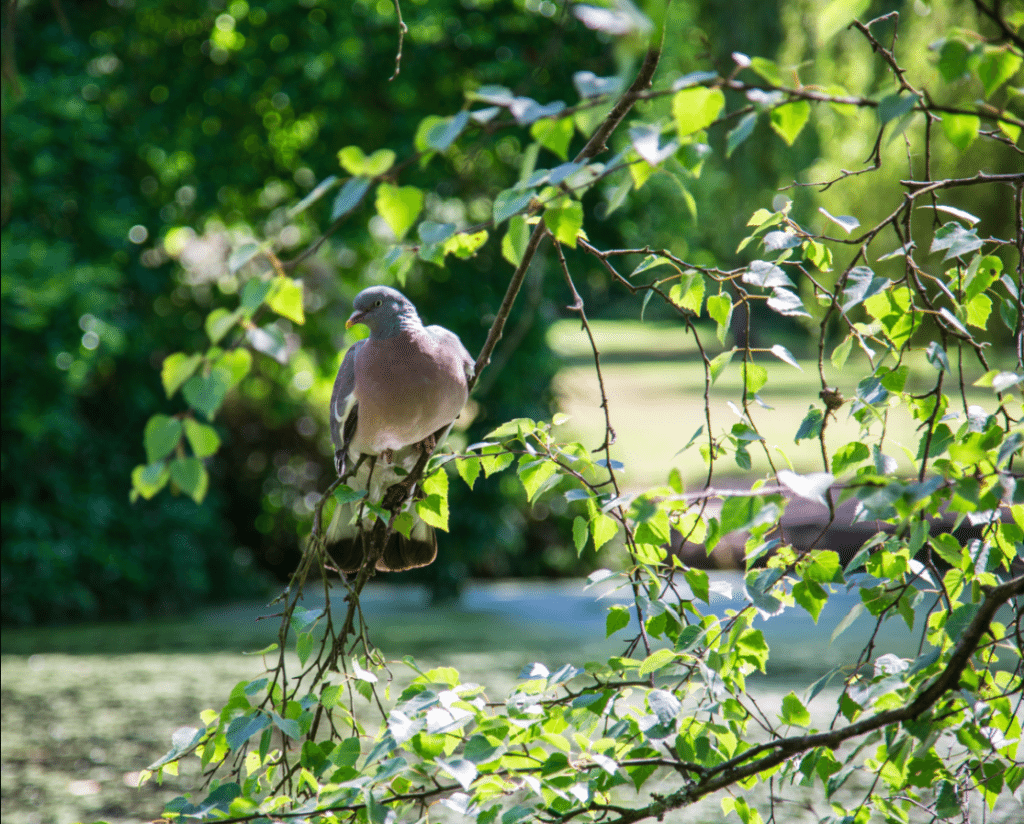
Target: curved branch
740	767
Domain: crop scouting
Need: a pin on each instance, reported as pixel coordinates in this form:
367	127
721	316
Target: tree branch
740	767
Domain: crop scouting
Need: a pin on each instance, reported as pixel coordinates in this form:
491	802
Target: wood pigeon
396	395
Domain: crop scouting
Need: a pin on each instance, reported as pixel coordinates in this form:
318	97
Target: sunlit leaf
203	439
565	221
399	206
696	108
286	299
789	119
554	135
149	479
176	369
998	65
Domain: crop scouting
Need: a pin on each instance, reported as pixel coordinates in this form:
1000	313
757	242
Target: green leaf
794	712
554	135
956	240
849	455
176	369
399	206
202	438
205	393
842	352
978	311
650	262
639	170
534	473
286	299
160	437
696	108
719	362
244	727
354	162
219	322
439	133
755	377
510	202
818	254
254	293
768	69
580	533
149	479
789	119
862	284
513	244
689	292
655	661
895	105
603	528
565	221
848	619
304	646
191	477
698	581
720	310
981	274
743	130
953	60
741	512
811	596
236	364
493	460
810	426
350	196
468	469
961	129
433	509
465	244
998	65
618	618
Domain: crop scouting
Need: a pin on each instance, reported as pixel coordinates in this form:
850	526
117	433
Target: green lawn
657	405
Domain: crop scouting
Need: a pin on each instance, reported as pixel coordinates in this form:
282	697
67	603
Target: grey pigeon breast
408	386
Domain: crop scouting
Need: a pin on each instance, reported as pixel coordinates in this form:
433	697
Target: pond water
84	708
569	617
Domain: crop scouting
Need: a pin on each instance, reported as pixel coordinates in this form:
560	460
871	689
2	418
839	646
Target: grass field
657	404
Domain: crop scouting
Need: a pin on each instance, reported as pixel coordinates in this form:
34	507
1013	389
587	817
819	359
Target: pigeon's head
383	310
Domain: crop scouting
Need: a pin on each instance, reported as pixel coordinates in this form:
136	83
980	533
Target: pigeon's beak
354	318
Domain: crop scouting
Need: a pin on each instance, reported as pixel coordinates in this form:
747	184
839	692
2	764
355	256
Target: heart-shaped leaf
399	206
160	437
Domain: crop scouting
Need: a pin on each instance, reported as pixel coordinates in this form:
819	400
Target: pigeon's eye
378	302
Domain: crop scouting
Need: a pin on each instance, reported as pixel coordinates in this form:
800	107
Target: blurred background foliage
143	139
